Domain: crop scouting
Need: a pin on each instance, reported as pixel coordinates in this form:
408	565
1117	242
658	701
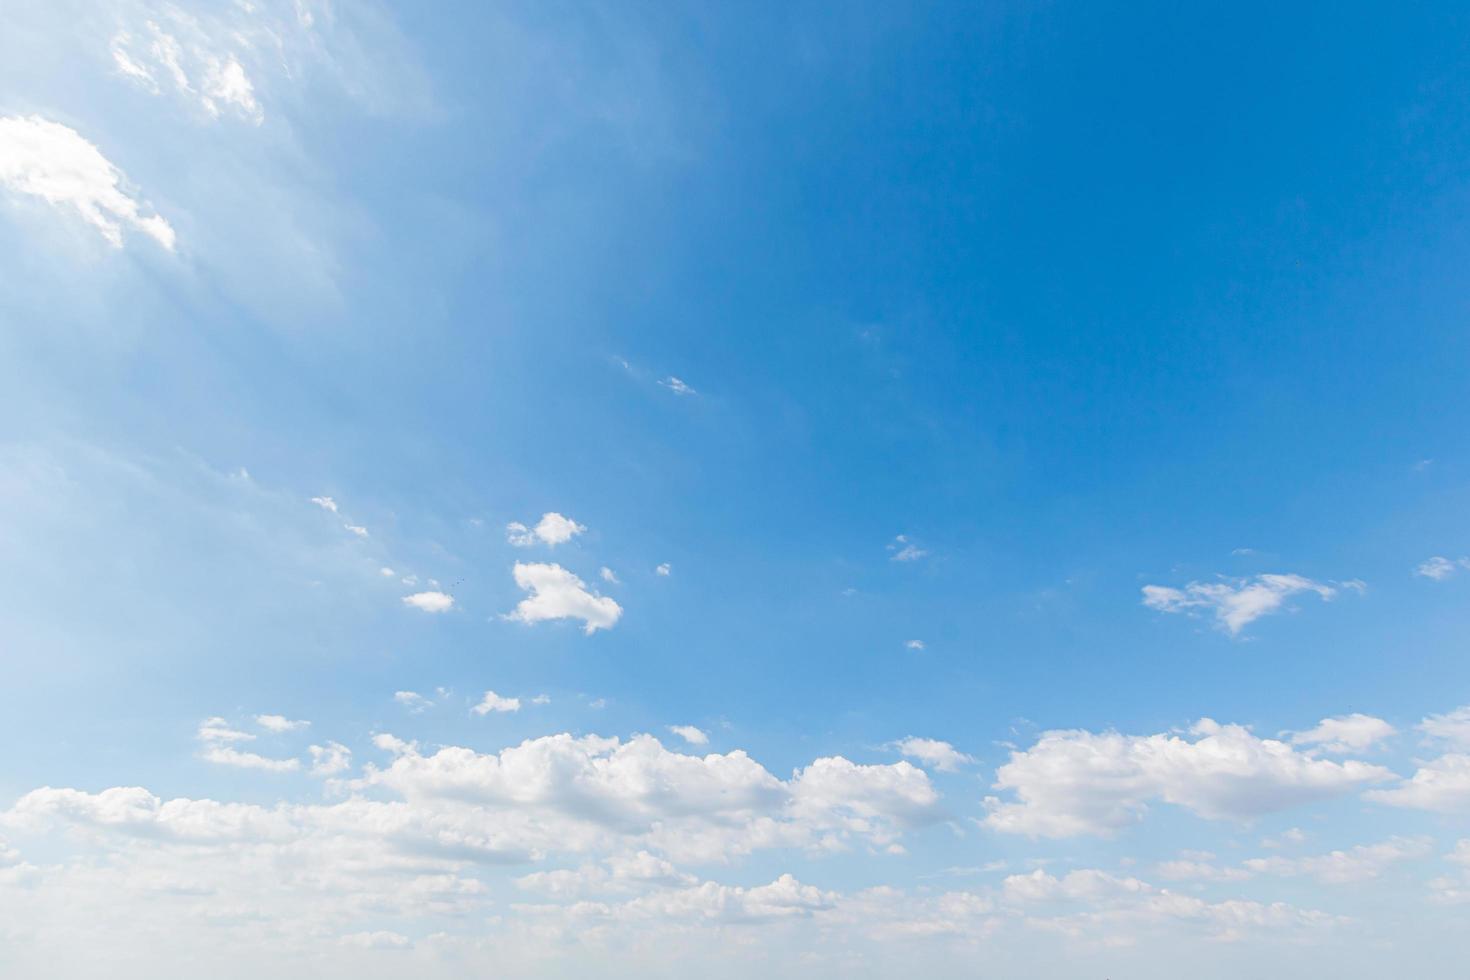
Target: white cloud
430	602
608	576
219	730
1079	782
325	503
330	759
1440	785
494	702
902	549
1440	568
412	700
280	723
218	82
386	572
55	163
663	570
1361	863
553	529
1236	603
357	529
1287	838
677	387
541	699
690	734
224	755
914	645
1452	727
558	594
1349	733
932	752
376	939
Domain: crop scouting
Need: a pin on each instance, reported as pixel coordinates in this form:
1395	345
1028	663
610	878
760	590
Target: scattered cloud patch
280	723
677	387
412	700
357	529
1236	603
559	594
690	734
226	755
55	163
1452	727
209	78
430	602
663	570
914	645
330	759
553	529
219	730
1349	733
608	576
933	753
1440	568
325	503
494	702
902	549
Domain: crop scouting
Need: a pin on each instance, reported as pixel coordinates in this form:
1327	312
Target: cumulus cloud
663	570
280	723
558	594
55	163
553	529
430	602
494	702
330	759
1236	603
933	753
690	734
1440	568
1079	782
902	549
914	645
1440	785
1349	733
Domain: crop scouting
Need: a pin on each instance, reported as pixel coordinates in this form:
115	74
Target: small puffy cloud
1236	603
553	529
224	755
1349	733
219	730
412	700
677	387
1287	838
386	572
494	702
933	753
663	570
541	699
430	602
558	594
902	549
608	575
1440	785
1440	568
55	163
690	734
330	759
280	723
1452	727
1071	783
914	645
325	503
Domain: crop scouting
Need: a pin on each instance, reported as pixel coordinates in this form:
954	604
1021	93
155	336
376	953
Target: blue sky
1021	449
